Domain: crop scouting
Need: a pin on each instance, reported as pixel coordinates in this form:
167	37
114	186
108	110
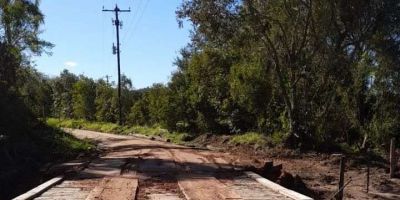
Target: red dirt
318	171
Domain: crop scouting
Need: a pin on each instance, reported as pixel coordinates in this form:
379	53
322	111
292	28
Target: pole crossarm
116	9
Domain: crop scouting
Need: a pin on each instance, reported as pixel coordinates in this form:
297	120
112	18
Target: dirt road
137	168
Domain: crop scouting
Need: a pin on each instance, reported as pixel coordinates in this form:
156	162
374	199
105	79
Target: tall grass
248	139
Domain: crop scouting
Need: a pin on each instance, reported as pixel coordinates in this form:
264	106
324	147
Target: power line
116	50
138	7
137	21
132	19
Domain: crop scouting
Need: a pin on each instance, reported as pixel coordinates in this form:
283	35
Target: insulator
114	49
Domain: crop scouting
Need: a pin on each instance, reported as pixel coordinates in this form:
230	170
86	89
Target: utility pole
107	78
116	50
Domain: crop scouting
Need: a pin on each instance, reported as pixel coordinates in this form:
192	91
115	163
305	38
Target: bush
248	138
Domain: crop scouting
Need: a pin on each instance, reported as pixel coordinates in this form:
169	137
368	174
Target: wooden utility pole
116	50
108	78
368	171
393	160
341	178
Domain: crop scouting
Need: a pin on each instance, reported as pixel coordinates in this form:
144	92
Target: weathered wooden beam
277	188
37	191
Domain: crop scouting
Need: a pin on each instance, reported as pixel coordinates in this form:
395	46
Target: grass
249	138
74	145
106	127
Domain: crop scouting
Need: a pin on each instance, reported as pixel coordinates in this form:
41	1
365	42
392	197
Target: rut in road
137	168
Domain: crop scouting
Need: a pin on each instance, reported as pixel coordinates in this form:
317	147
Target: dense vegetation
314	72
26	143
311	74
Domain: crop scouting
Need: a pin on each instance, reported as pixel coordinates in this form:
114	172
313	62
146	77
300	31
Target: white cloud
70	64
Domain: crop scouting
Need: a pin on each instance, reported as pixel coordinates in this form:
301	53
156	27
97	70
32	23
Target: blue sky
83	37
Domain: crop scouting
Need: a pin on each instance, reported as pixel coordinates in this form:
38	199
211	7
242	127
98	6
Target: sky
83	36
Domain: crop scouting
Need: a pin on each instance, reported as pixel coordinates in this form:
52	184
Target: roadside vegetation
248	139
26	143
304	75
107	127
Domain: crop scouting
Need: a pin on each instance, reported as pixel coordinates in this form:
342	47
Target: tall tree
312	51
84	95
104	95
20	21
62	94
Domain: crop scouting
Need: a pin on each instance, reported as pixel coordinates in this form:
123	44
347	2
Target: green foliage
63	94
157	102
84	95
139	113
312	72
103	102
305	74
277	138
19	38
248	138
127	97
26	144
155	130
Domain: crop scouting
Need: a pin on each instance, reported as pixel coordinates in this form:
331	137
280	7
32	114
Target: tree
84	95
208	91
139	113
62	94
313	52
127	98
103	101
157	99
19	36
36	91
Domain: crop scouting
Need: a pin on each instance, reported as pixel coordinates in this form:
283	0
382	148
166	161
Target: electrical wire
136	9
102	39
130	36
130	20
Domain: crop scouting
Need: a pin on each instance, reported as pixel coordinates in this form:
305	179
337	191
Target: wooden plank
110	188
96	192
90	183
250	189
75	196
61	191
35	192
290	193
166	196
73	193
205	188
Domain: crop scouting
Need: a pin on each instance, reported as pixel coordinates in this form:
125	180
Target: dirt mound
208	139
